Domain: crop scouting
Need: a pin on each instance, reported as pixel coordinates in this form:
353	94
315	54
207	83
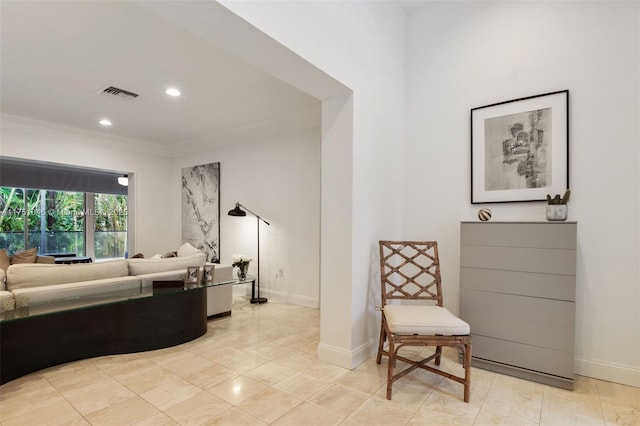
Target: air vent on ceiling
120	93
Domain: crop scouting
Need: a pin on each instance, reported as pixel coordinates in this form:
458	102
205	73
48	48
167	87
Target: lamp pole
259	300
237	211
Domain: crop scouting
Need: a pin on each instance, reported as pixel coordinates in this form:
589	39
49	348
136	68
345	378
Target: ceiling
57	56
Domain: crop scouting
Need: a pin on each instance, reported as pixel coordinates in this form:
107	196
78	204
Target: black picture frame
520	149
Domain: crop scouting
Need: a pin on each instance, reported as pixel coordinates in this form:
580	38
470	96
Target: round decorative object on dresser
484	214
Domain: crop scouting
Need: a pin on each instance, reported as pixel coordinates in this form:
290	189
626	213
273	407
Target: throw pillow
138	256
170	254
8	305
187	250
47	260
25	256
4	260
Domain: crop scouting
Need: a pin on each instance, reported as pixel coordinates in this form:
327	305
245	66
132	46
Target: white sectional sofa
34	284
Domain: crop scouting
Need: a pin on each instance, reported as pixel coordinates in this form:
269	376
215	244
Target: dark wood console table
72	259
32	339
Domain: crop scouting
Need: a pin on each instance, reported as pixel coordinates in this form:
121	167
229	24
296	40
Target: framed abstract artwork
201	209
520	149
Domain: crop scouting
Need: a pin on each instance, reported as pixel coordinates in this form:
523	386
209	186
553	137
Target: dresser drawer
517	292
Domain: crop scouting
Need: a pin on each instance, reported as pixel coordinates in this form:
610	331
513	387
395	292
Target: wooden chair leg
467	371
392	363
438	354
383	336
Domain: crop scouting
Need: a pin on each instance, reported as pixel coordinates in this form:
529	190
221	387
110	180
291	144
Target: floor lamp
237	211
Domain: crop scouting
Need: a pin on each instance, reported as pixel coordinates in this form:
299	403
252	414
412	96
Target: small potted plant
241	261
557	208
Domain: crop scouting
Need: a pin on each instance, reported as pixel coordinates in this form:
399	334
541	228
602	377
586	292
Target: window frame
89	221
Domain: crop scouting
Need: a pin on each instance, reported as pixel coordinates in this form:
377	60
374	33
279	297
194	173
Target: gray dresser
517	292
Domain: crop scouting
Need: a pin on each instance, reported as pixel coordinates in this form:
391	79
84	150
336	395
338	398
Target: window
86	224
110	237
12	219
56	221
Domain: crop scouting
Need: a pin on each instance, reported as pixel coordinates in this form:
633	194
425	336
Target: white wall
462	55
37	140
360	44
278	178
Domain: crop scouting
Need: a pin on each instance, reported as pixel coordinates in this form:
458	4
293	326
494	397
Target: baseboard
276	296
523	373
220	315
609	371
309	302
294	299
345	358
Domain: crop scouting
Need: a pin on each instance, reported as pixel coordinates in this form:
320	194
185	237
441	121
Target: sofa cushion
39	275
152	265
49	260
187	250
104	288
4	260
24	256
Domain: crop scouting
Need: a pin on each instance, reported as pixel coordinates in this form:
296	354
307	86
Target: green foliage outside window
11	204
111	225
12	217
56	222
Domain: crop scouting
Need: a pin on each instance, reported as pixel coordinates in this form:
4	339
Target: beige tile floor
260	367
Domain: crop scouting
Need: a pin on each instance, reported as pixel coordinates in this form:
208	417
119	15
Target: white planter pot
557	212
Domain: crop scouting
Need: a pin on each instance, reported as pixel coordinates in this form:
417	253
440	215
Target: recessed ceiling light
172	91
105	122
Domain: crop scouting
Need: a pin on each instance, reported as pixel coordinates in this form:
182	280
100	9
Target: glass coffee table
249	279
37	337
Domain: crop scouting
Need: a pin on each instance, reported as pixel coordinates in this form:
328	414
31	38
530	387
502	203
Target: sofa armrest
223	273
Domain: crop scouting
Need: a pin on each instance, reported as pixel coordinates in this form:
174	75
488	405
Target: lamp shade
237	211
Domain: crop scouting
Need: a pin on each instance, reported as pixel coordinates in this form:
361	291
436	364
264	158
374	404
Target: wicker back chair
410	272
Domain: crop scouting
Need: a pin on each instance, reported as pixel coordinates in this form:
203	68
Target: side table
252	279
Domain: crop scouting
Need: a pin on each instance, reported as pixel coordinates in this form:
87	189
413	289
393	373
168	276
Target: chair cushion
424	320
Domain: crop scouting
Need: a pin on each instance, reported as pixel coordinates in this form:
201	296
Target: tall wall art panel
201	208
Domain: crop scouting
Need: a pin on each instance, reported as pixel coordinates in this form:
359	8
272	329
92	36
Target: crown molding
75	135
280	125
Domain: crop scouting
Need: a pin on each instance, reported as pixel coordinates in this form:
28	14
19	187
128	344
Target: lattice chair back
410	270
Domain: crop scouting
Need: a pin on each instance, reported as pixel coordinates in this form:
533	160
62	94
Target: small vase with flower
241	261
